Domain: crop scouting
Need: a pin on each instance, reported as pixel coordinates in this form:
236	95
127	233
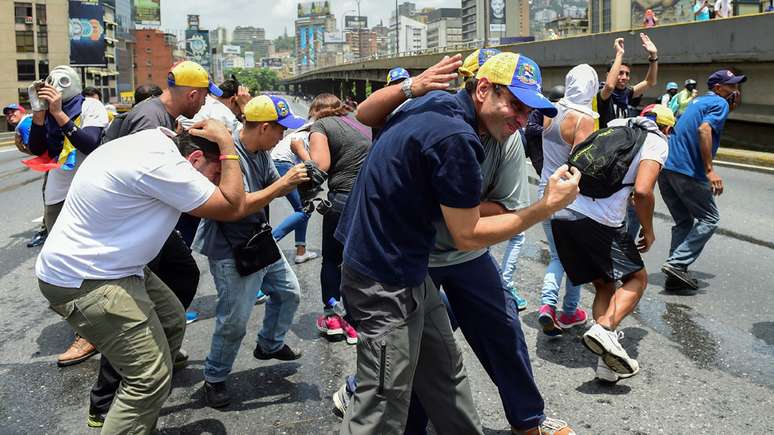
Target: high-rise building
363	43
34	40
245	35
411	35
154	55
610	16
125	45
444	27
312	24
382	39
505	18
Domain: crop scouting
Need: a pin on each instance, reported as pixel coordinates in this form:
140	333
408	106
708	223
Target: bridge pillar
360	91
375	86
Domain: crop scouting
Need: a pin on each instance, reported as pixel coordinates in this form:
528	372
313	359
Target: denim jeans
298	220
692	206
510	260
553	279
236	298
332	252
632	222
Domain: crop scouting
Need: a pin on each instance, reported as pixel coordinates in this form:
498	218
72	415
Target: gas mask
64	79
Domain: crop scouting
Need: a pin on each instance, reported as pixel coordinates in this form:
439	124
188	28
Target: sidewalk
756	158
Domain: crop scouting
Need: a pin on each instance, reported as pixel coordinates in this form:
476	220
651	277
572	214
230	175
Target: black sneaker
180	360
681	275
216	394
675	285
96	418
38	240
284	354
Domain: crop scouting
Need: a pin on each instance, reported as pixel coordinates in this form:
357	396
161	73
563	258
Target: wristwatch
405	86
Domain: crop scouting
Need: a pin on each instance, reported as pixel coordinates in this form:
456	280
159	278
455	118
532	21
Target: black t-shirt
149	114
349	148
618	106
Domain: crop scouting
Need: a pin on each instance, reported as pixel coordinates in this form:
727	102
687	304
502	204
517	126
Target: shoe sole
669	272
220	405
72	362
352	341
617	363
305	260
330	332
570	325
261	301
94	424
550	327
338	406
264	357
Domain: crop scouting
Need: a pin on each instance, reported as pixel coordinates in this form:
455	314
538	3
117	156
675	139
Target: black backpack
604	158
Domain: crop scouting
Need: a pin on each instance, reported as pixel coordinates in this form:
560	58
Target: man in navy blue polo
424	168
689	183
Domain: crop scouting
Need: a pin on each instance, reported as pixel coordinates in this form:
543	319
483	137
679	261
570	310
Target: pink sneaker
547	319
567	321
349	332
330	325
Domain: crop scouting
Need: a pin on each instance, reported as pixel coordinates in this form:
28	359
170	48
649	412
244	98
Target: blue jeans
332	252
298	220
632	222
552	281
692	206
487	315
236	298
511	258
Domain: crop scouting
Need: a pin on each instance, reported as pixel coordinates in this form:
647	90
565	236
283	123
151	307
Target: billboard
354	22
497	16
669	11
333	38
232	49
87	34
542	12
147	12
271	62
313	9
193	22
197	47
249	59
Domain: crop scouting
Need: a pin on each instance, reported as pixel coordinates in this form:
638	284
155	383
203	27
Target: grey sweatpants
404	339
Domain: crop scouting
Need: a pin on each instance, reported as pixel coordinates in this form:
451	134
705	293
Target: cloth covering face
581	86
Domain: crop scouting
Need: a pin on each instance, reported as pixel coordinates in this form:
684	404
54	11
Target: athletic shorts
589	250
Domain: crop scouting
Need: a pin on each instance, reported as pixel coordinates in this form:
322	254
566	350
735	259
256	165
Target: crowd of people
422	179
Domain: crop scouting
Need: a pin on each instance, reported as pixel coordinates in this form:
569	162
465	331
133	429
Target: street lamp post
397	33
359	34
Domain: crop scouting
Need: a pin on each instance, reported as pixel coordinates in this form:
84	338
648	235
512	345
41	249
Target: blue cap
671	85
521	75
11	107
397	74
724	77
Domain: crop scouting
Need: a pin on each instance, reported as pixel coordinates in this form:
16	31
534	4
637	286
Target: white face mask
66	81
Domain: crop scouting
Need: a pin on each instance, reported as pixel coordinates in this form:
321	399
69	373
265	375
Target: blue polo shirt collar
468	107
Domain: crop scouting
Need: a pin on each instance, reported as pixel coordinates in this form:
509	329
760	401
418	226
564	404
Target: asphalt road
707	359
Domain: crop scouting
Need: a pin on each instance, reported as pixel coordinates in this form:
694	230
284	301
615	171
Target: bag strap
357	126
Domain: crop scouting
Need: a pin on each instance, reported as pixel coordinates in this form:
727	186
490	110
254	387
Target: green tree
256	79
284	43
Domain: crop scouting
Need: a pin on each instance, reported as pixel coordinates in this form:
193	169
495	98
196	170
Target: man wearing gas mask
689	183
66	127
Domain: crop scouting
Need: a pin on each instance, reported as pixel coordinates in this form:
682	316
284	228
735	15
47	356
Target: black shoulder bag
258	252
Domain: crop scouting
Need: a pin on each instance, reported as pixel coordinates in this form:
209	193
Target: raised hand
648	45
437	77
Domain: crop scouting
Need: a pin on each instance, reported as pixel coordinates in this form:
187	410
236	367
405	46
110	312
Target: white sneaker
605	344
605	374
306	257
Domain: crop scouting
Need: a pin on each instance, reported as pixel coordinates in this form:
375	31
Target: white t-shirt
124	202
93	114
282	152
214	109
611	211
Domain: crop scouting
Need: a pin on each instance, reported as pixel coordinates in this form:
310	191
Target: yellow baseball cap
192	74
268	108
473	62
660	114
521	75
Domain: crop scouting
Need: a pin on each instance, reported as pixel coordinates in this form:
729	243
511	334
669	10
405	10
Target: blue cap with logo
724	77
267	108
396	75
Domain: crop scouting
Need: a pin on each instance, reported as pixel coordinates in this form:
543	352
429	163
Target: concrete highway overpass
688	50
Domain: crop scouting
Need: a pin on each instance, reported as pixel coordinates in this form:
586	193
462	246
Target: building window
23	13
25	70
42	69
24	97
25	41
40	14
606	16
43	39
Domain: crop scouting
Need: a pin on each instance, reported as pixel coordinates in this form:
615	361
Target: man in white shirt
593	244
124	201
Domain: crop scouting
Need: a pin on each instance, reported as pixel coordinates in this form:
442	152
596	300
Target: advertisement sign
333	38
87	34
542	12
193	22
147	12
497	16
232	49
249	59
313	9
667	12
271	62
354	22
197	47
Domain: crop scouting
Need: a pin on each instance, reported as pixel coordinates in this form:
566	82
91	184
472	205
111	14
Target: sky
273	15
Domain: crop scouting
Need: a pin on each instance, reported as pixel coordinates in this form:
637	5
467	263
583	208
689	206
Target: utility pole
397	33
359	33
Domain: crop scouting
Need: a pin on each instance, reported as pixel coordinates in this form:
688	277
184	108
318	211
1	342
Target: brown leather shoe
78	352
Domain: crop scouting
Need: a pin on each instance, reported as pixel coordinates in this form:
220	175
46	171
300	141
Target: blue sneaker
521	303
260	297
191	316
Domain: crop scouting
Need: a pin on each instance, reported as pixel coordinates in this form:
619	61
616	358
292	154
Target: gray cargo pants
404	339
